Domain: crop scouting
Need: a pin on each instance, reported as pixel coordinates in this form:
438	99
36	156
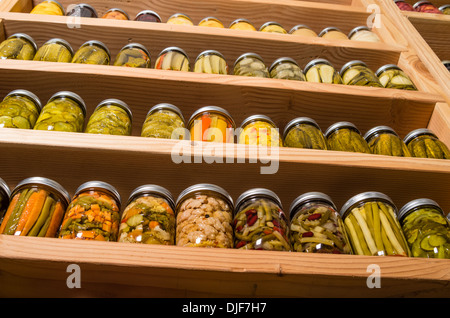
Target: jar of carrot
212	124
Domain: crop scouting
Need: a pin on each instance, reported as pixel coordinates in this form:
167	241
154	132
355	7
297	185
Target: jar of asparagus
212	124
164	120
110	117
5	194
423	143
304	132
383	140
19	46
19	109
345	136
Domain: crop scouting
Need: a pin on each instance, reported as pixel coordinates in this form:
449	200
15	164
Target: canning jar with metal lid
304	132
82	10
371	223
383	140
426	6
5	194
286	68
55	50
19	46
259	130
392	76
19	109
148	16
110	117
403	5
446	64
358	73
211	22
116	14
333	33
211	124
321	71
445	9
250	64
133	55
36	209
259	222
164	121
211	62
423	143
242	24
173	58
204	215
64	111
180	18
92	52
363	33
426	229
93	213
345	136
302	29
50	7
148	217
272	27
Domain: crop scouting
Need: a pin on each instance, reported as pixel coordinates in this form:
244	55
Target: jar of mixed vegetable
50	7
173	58
383	140
345	136
19	46
321	71
133	55
212	124
304	132
164	121
110	117
180	18
116	14
286	68
55	50
358	73
250	64
19	109
92	52
259	130
423	143
5	194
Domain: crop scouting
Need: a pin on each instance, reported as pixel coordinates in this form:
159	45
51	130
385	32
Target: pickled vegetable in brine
133	55
305	133
116	14
286	68
260	130
242	24
92	52
164	121
55	50
180	18
19	109
5	194
173	58
49	7
211	22
322	71
211	124
344	136
250	64
211	62
18	46
423	143
358	73
383	140
303	30
272	27
391	76
111	117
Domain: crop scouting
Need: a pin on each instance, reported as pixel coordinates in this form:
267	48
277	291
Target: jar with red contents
403	5
426	7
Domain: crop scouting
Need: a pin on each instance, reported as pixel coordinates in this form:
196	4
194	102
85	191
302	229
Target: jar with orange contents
212	123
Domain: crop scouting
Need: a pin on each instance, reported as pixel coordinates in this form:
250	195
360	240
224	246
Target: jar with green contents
304	132
371	223
426	229
445	9
19	46
19	109
272	27
358	73
364	34
423	143
180	18
392	76
304	30
55	50
286	68
321	71
383	140
64	111
5	194
259	130
133	55
345	136
242	24
250	64
110	117
211	62
92	52
50	7
164	121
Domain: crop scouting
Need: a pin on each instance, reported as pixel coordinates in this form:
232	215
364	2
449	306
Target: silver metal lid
210	18
444	7
299	26
283	60
209	52
26	37
174	48
418	3
116	102
24	92
378	129
44	182
387	67
180	14
257	192
339	125
445	62
152	189
310	197
168	107
62	42
77	98
249	54
298	121
99	185
370	195
315	62
136	45
357	29
241	20
326	30
416	133
84	5
214	109
270	23
257	117
4	187
347	65
120	10
148	12
202	187
97	43
416	204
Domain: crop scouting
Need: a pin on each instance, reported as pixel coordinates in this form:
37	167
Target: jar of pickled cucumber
55	50
403	5
148	217
211	124
148	16
358	73
423	143
371	223
272	27
110	117
133	55
36	209
445	9
321	71
260	223
92	52
93	213
426	229
383	140
5	194
19	46
211	22
64	111
302	29
250	64
286	68
392	76
19	109
82	10
180	18
259	130
211	62
164	121
426	7
50	7
345	136
242	24
316	225
333	33
363	33
304	132
116	14
173	58
204	215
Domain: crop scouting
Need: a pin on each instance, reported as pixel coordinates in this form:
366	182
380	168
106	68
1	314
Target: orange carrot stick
34	212
8	213
56	220
25	213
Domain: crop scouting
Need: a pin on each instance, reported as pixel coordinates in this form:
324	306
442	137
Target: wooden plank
440	122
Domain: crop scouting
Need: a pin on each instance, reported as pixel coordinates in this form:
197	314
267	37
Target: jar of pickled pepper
259	222
250	64
259	130
180	18
19	109
64	111
426	7
133	55
164	121
304	132
173	58
5	194
148	16
302	29
392	76
321	71
19	46
148	217
403	5
211	22
211	124
345	136
211	62
423	143
83	10
50	7
363	33
92	52
116	14
445	9
242	24
286	68
110	117
371	223
204	215
316	225
55	50
358	73
93	213
36	209
333	33
272	27
383	140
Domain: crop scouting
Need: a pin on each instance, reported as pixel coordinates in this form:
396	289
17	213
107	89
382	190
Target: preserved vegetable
148	16
19	109
133	55
211	22
423	143
110	117
18	46
304	132
392	76
82	10
333	33
242	24
250	64
50	7
92	52
173	58
358	73
445	9
164	121
363	33
55	50
344	136
211	62
116	14
403	5
211	124
272	27
5	194
321	71
383	140
304	30
259	130
180	18
286	68
426	7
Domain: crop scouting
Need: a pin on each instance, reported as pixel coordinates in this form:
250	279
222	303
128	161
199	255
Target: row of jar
205	215
423	6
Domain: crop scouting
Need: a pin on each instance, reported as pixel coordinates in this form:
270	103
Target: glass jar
133	55
50	7
211	62
242	24
55	50
304	132
116	14
173	58
259	130
403	5
82	10
423	143
304	30
92	52
36	209
93	213
148	16
358	73
426	7
211	124
392	76
19	46
164	121
148	217
64	111
286	68
260	223
371	223
211	22
383	140
204	214
110	117
180	18
363	33
446	64
445	9
333	33
19	109
344	136
426	229
321	71
250	64
5	194
272	27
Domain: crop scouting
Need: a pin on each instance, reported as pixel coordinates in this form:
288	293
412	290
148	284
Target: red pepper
307	234
240	244
252	219
239	228
251	211
314	216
